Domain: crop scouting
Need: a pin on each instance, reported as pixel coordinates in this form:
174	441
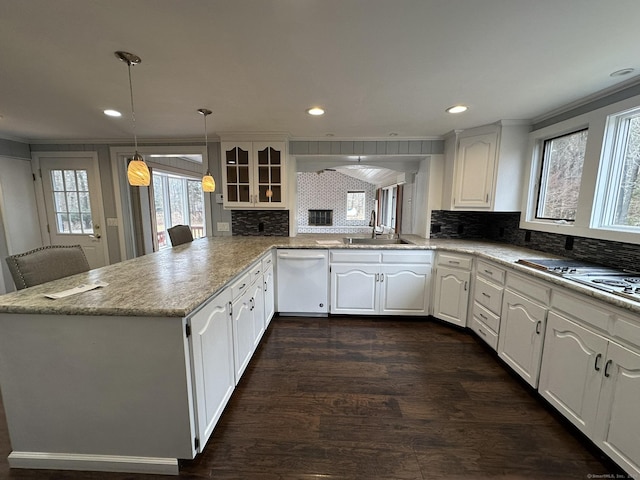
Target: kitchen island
106	379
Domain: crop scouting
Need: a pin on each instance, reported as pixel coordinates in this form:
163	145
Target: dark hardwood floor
371	398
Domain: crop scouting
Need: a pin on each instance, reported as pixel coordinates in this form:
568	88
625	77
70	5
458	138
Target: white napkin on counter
78	289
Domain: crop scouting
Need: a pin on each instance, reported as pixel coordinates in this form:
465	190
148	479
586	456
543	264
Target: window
388	206
178	200
355	205
561	175
71	201
622	198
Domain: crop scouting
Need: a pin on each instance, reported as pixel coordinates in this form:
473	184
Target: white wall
18	212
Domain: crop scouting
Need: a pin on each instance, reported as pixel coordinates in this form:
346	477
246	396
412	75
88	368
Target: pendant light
208	183
137	170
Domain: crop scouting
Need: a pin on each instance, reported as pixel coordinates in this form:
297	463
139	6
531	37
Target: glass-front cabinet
253	174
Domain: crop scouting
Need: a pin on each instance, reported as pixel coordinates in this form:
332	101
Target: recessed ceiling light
112	113
457	109
621	73
315	111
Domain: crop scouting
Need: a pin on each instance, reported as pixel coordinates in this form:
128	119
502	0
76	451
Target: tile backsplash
260	222
504	227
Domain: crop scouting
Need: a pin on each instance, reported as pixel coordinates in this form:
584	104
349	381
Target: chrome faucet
372	223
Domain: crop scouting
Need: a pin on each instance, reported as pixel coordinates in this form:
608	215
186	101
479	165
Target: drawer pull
481	332
595	365
453	262
482	315
242	286
606	368
486	295
488	272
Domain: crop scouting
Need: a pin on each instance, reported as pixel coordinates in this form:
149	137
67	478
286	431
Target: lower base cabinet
594	383
451	296
212	362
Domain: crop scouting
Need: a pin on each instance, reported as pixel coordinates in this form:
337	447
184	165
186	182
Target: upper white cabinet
487	169
253	174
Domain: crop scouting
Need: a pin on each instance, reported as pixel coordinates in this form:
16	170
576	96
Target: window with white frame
561	176
620	167
355	205
178	200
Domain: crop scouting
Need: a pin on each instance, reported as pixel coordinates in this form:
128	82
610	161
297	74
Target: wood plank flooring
376	398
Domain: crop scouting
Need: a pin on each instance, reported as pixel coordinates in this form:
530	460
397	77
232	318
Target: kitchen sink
375	241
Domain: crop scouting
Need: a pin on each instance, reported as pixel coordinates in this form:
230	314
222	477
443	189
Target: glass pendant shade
138	172
208	183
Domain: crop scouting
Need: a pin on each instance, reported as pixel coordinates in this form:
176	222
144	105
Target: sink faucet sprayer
372	223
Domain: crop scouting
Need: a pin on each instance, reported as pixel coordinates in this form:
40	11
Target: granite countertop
175	281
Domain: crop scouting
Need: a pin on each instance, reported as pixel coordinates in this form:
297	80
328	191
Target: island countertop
176	281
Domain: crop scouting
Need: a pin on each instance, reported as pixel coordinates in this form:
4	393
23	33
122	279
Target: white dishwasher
302	279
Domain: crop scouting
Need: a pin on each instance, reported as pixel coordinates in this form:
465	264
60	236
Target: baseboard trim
98	463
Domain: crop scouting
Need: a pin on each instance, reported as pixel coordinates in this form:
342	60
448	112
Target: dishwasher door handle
302	257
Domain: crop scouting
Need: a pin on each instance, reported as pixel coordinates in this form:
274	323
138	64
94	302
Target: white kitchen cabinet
257	309
451	291
521	335
383	283
487	168
487	302
269	295
243	330
593	380
212	361
253	174
571	372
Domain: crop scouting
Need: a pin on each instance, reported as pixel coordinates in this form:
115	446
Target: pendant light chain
133	111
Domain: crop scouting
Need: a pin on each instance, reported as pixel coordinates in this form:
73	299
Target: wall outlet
223	226
219	198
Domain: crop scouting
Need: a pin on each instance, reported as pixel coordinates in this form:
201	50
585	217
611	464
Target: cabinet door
213	364
451	295
269	296
521	334
237	174
354	288
269	174
243	333
571	371
474	171
257	309
404	290
618	422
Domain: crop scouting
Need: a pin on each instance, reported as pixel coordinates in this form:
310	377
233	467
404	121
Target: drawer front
267	261
580	309
241	285
255	272
490	319
455	261
627	330
407	257
487	270
489	295
484	333
529	289
351	256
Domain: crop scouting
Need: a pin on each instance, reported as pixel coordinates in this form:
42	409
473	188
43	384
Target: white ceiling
376	66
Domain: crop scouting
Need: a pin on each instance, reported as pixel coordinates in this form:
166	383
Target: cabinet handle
465	286
253	303
454	262
242	286
486	295
606	368
481	332
538	325
382	277
595	365
488	272
377	277
487	198
482	315
265	286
